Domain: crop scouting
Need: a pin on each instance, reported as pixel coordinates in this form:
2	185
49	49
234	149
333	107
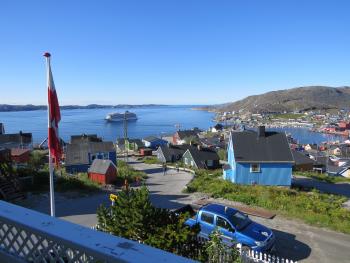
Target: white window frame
252	170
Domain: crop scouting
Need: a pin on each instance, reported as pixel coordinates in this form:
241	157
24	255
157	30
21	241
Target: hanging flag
54	116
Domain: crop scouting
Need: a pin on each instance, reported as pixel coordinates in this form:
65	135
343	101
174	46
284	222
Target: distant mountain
30	107
289	100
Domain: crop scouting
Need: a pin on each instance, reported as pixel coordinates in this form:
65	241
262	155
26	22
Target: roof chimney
261	131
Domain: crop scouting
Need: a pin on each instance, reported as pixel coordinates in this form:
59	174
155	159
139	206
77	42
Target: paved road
297	241
336	189
165	190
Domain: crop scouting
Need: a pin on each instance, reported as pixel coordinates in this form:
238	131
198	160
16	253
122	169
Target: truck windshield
239	220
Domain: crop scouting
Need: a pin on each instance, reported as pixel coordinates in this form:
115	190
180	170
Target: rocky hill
296	99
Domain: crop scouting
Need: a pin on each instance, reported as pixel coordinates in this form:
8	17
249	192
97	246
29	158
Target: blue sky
170	52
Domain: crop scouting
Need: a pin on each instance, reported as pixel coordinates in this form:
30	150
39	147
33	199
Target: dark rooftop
301	158
100	166
251	146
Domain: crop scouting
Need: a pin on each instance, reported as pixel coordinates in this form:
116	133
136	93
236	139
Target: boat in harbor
118	117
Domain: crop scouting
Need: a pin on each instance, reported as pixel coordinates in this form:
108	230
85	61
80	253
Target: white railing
249	256
259	257
29	236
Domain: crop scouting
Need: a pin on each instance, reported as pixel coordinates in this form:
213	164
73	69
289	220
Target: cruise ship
129	116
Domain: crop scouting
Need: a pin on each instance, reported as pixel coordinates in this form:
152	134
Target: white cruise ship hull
119	117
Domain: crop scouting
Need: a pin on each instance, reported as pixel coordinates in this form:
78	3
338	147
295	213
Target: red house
20	156
145	152
103	171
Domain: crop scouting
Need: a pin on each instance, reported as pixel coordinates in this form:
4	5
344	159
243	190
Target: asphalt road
294	239
324	187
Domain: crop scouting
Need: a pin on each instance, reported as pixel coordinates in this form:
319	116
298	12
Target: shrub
151	160
134	217
126	172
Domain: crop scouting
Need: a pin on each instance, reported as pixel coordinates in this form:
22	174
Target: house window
210	163
255	168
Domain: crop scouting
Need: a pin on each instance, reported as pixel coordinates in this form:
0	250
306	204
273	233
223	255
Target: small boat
117	117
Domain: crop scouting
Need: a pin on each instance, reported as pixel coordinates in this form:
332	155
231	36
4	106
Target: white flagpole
51	169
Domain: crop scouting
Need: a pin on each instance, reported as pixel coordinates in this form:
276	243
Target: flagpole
51	169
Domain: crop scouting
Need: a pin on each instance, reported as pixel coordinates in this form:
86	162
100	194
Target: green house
201	158
133	144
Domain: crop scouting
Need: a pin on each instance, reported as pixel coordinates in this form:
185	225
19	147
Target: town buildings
84	149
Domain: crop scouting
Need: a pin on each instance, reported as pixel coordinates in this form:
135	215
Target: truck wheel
245	250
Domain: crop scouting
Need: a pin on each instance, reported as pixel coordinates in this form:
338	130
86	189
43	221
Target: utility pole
178	126
125	136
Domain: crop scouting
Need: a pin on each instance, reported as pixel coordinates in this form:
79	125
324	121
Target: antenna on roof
226	208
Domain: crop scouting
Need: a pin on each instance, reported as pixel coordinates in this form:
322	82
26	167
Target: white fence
29	236
258	257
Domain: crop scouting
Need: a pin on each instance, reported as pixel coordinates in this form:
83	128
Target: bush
79	182
215	249
314	208
151	160
126	172
134	217
63	182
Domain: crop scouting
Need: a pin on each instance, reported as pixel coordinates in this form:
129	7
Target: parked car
235	226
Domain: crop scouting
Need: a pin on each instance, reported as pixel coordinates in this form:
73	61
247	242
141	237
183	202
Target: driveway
165	189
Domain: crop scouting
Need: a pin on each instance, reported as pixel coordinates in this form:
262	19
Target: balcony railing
29	236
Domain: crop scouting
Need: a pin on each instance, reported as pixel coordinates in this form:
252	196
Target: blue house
261	157
153	142
81	152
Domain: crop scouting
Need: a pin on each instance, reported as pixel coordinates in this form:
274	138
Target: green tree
37	160
134	217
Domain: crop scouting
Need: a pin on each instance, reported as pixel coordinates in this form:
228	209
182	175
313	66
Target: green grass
63	183
79	182
324	177
126	172
313	208
151	160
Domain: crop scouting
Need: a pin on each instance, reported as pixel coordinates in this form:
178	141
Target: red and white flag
54	116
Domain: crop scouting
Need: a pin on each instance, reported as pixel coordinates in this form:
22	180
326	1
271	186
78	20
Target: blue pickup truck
235	227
